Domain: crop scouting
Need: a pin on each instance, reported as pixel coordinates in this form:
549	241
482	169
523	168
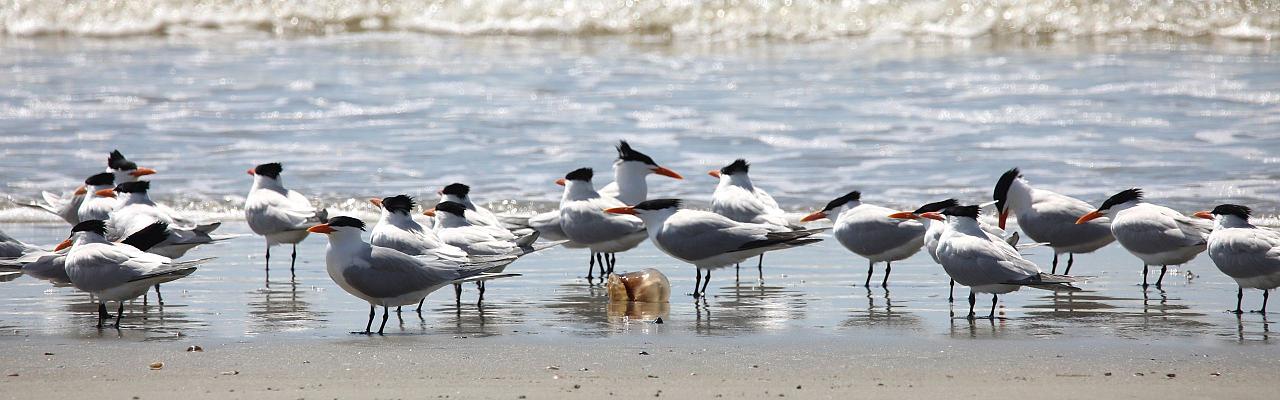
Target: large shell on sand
644	286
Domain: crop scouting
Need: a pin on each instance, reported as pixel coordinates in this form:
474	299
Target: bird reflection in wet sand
150	321
1242	336
750	308
481	320
880	311
582	308
978	328
282	308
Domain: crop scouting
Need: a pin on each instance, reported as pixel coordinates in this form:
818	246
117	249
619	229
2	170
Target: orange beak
250	172
322	228
903	215
430	212
622	210
934	216
817	215
106	193
80	191
666	172
715	173
1004	216
142	172
1092	215
376	202
63	245
560	181
1203	214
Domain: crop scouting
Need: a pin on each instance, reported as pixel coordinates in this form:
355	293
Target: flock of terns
123	243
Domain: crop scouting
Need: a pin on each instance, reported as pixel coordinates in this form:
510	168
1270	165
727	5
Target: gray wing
695	235
268	211
1155	232
391	273
979	261
739	205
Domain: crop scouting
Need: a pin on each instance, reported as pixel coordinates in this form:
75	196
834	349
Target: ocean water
906	101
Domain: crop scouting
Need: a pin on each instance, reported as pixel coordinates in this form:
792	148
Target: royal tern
125	170
67	207
280	215
397	230
629	172
11	248
95	205
135	210
1247	253
740	200
584	221
933	231
387	277
455	229
709	240
1049	217
983	262
114	271
50	266
477	215
868	231
1157	235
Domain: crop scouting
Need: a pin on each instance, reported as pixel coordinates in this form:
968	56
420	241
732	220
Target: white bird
95	205
387	277
454	229
1247	253
975	258
478	215
280	215
67	207
1049	217
135	211
933	232
738	199
50	266
584	221
1157	235
629	172
113	271
708	240
868	231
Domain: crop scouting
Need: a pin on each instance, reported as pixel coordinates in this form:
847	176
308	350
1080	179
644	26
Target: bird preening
123	243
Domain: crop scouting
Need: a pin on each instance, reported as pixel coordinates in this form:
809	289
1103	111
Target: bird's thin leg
424	300
384	320
1054	270
293	259
994	297
1163	268
1265	293
591	269
760	268
102	312
704	283
368	328
951	295
888	266
457	293
1239	298
480	285
613	261
736	268
1071	259
604	258
973	298
870	269
698	281
1144	276
119	314
159	298
398	309
268	263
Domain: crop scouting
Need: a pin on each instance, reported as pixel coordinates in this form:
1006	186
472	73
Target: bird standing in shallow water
1248	254
1157	235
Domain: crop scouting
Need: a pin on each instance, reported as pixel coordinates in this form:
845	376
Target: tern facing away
708	240
1248	254
1049	217
985	263
280	215
386	277
584	220
868	231
114	271
738	199
1157	235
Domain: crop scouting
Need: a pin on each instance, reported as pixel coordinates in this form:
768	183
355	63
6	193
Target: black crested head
936	206
1233	209
94	225
839	201
399	203
737	166
626	153
105	178
1001	194
343	220
117	162
134	187
1124	196
270	170
456	189
452	207
580	174
962	211
658	204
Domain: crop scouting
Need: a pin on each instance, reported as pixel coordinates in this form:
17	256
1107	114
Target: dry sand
554	366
